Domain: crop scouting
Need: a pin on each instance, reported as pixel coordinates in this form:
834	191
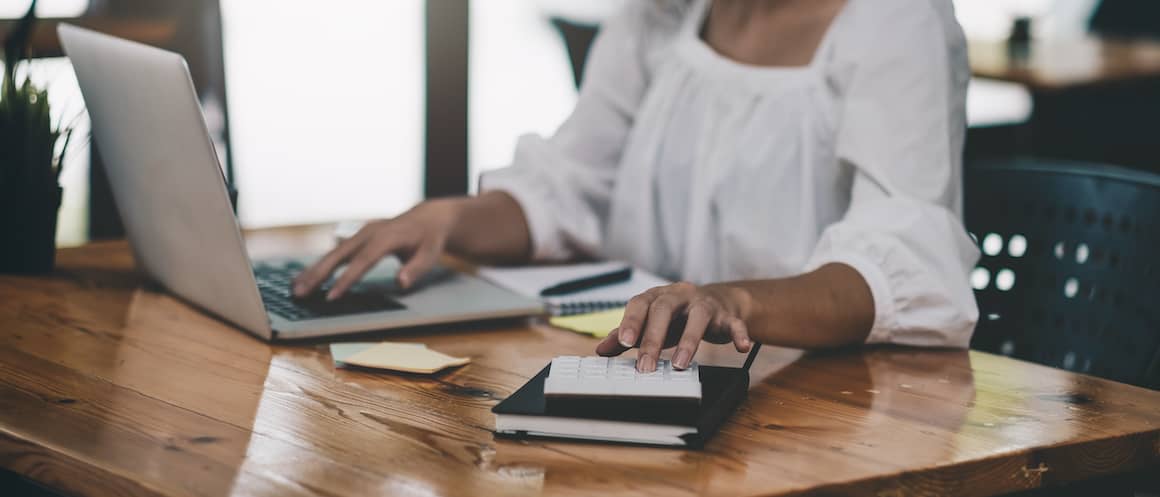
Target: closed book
528	414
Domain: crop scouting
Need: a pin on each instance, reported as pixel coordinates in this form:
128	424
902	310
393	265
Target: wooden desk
1061	64
108	387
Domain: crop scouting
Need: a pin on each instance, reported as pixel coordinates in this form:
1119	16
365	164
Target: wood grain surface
1061	64
109	386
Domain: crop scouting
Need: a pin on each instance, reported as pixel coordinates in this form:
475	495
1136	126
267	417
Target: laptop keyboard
274	284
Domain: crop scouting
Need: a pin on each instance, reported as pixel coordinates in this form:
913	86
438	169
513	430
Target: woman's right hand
418	238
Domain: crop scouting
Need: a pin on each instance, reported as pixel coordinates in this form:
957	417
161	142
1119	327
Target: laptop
172	197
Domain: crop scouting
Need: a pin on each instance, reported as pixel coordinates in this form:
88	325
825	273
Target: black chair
578	38
1127	19
1070	272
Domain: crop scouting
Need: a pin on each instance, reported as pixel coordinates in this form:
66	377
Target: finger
718	331
313	276
660	314
695	327
359	265
739	332
610	345
422	261
634	316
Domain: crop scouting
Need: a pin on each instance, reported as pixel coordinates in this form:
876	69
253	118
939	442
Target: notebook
527	413
529	281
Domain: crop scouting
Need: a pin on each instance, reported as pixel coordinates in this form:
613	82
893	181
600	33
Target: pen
576	285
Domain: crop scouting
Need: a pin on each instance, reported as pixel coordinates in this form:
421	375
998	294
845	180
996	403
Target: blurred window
520	80
46	8
326	108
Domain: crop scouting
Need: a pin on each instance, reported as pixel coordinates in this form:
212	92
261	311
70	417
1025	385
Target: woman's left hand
680	314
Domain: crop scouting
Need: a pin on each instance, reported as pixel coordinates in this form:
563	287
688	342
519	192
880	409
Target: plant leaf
16	45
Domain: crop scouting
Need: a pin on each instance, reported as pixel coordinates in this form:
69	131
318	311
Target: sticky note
597	324
341	351
406	357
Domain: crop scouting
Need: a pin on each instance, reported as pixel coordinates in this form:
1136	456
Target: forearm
829	307
490	227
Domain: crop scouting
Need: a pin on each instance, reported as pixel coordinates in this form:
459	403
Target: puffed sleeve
564	183
901	130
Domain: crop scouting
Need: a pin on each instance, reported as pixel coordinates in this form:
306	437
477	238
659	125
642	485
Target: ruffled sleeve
564	183
901	130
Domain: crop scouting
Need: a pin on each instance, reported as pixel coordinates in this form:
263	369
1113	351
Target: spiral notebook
531	280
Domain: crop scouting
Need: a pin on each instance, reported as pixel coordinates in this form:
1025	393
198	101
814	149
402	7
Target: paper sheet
530	280
406	357
597	324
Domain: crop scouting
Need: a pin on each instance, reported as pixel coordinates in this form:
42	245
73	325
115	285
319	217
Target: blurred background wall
354	109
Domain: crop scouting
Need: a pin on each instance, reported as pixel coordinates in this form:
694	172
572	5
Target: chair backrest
1127	18
1070	272
578	38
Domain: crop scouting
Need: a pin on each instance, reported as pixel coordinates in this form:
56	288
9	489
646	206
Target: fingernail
682	359
332	296
404	281
298	289
627	337
645	364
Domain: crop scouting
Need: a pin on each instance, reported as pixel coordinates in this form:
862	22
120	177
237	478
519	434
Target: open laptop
172	197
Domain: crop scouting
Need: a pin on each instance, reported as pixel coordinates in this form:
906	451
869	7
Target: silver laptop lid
164	173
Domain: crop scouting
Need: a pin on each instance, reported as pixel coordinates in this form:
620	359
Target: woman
795	162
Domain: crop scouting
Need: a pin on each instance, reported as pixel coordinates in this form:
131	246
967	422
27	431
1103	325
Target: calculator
603	377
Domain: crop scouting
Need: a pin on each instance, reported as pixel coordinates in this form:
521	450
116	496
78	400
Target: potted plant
32	151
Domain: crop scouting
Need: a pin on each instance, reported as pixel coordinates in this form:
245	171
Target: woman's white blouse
704	169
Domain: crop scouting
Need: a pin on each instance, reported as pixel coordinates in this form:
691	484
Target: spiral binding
573	308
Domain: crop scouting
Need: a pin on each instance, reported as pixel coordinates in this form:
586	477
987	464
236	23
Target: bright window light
326	107
45	9
520	80
997	103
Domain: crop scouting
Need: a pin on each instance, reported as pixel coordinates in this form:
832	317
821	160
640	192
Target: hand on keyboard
274	287
418	236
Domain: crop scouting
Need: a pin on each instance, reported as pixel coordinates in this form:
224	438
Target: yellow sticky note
406	357
597	324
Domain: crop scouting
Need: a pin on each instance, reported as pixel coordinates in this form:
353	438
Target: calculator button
617	377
